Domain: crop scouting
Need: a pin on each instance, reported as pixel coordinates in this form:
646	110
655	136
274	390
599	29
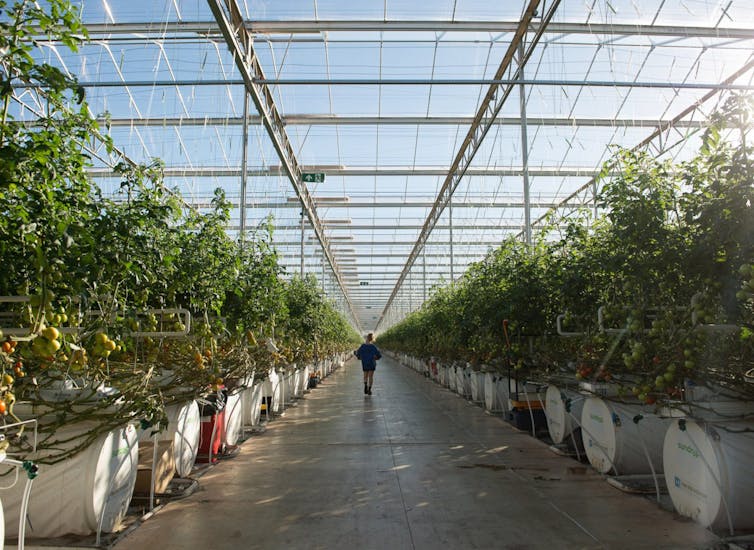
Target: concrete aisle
414	466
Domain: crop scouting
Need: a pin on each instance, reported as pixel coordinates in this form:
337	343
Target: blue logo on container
677	481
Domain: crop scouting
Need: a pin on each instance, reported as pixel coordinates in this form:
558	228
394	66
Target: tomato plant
671	263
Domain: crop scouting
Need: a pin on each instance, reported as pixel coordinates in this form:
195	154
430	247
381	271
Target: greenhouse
329	274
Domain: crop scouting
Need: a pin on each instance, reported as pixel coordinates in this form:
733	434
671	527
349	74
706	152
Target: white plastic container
503	392
284	384
184	429
298	392
184	423
476	381
460	380
491	397
251	404
296	378
709	470
233	417
272	389
306	376
246	396
467	381
76	495
563	409
622	438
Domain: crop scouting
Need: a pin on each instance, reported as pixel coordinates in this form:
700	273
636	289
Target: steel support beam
458	225
329	170
351	244
489	108
371	206
524	145
239	42
208	29
244	173
331	120
651	137
481	82
405	82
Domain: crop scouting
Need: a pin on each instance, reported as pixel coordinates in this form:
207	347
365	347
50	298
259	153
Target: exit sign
313	178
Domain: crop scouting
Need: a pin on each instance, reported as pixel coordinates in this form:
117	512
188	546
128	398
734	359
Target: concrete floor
413	466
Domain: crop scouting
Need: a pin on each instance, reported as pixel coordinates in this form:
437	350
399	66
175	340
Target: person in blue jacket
369	354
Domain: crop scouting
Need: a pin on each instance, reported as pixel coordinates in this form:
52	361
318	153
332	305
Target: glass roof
380	98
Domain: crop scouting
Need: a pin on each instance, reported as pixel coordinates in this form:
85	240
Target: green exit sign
313	178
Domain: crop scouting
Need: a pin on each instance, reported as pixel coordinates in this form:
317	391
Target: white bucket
75	495
252	405
460	379
563	410
290	385
615	442
256	403
502	388
709	470
304	381
477	387
184	422
246	396
233	417
491	395
184	429
466	377
302	376
272	389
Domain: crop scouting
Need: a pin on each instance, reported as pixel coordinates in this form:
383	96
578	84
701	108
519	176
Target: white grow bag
491	395
460	380
709	470
302	377
82	493
563	408
233	416
185	423
184	429
252	404
614	441
273	390
452	378
503	390
477	386
466	382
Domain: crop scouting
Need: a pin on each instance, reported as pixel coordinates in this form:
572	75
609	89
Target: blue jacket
368	353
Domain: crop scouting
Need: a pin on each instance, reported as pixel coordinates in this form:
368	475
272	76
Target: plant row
654	294
118	305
